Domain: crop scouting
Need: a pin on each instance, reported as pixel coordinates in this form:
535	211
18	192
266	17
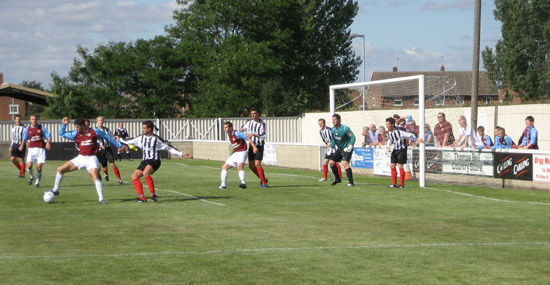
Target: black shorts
104	156
328	156
155	164
399	156
256	156
15	151
340	155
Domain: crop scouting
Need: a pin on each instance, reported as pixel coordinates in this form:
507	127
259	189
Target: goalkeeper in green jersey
344	139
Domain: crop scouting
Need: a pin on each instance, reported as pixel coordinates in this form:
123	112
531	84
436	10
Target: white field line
181	164
288	249
487	198
183	194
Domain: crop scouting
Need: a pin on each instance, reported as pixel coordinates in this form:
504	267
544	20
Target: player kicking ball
151	146
398	139
86	140
238	157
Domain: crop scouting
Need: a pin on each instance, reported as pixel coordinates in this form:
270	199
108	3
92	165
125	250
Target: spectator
382	138
529	138
504	141
428	136
466	136
365	133
495	134
485	140
443	132
373	135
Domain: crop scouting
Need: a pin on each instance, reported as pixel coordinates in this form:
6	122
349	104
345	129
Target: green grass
299	231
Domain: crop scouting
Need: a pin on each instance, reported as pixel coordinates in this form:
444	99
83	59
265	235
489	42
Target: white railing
283	129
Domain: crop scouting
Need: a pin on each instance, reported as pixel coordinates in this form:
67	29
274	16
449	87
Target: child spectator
429	136
529	138
486	141
503	141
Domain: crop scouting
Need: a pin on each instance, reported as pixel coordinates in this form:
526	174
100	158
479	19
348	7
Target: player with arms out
87	141
398	139
35	134
256	151
344	139
238	156
326	136
16	138
105	153
151	145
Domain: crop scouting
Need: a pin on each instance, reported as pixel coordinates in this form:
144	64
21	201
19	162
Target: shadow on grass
172	199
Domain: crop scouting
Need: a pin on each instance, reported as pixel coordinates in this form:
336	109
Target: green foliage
278	55
520	60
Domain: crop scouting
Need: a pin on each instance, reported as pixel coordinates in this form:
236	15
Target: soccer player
151	145
398	139
326	136
122	133
105	153
256	151
238	157
343	138
87	141
16	139
35	134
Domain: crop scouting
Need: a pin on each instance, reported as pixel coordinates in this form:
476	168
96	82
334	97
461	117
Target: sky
38	37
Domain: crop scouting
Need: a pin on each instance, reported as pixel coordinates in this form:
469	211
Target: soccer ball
49	197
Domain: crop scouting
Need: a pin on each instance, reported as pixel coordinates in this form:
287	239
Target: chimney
442	68
394	69
1	78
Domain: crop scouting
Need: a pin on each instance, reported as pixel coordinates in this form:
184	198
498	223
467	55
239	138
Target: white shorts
36	155
88	161
237	157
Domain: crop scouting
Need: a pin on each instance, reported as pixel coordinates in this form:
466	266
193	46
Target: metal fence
281	129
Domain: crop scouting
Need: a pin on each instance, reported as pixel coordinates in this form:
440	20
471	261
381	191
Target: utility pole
475	64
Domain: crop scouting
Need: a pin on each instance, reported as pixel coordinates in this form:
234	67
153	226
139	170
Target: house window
416	101
398	102
460	100
14	109
486	100
374	101
440	101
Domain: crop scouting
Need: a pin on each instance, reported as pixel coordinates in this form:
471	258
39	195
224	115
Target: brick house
16	99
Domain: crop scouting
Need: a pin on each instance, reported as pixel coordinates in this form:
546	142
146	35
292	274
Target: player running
16	138
398	139
105	153
256	151
35	134
344	139
87	141
238	156
151	145
326	136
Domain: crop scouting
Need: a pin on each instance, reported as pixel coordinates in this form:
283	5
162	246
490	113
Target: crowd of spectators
442	135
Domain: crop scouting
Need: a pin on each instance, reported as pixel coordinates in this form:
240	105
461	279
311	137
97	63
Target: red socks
117	173
16	163
19	166
339	170
22	169
325	171
402	176
261	174
394	176
150	184
139	188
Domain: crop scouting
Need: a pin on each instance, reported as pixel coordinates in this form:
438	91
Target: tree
520	60
279	55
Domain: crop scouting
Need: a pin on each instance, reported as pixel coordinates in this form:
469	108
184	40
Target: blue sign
362	158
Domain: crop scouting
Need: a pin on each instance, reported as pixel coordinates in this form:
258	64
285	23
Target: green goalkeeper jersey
342	137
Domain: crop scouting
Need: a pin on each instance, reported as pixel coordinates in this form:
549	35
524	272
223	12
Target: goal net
416	99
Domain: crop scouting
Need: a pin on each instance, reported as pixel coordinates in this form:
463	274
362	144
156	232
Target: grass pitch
298	231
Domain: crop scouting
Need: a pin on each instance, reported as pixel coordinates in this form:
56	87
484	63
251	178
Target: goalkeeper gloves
348	148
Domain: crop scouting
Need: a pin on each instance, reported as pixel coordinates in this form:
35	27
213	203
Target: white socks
224	177
58	179
99	189
31	172
242	176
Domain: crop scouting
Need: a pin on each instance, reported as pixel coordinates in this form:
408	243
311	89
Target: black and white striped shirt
326	135
151	146
17	134
258	128
103	142
398	139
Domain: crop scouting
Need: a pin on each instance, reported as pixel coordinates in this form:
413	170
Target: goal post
418	91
